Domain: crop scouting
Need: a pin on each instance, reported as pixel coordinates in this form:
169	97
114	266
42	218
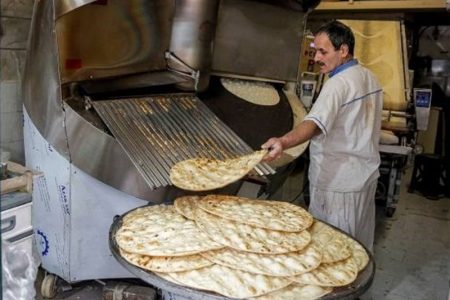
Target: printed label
42	242
63	197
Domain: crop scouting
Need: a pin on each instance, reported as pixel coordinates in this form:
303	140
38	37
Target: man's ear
344	50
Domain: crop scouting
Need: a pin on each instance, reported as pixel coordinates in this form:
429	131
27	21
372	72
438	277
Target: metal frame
47	93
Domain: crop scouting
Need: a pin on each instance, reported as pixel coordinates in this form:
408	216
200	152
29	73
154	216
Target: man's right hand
275	148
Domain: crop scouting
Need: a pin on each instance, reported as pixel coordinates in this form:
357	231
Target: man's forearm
300	134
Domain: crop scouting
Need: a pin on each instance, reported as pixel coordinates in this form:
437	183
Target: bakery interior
74	73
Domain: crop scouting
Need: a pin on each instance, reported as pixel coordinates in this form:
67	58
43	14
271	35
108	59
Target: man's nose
317	57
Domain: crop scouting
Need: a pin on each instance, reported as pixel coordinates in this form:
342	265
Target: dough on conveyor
256	92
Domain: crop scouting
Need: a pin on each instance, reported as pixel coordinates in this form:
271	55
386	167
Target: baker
344	128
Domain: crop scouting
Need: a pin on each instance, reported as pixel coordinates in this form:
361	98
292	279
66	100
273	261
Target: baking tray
351	291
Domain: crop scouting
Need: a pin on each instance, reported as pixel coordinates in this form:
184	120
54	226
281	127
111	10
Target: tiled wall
15	23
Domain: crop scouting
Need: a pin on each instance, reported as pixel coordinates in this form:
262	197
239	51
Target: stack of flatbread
240	248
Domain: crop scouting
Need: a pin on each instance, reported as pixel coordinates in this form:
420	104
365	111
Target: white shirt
345	156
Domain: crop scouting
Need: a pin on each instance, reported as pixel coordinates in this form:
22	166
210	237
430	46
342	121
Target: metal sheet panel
113	38
192	39
257	40
64	6
41	86
157	132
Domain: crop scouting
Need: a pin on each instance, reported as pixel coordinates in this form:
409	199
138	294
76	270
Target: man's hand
275	148
300	134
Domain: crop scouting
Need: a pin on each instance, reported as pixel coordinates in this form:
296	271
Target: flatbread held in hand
203	174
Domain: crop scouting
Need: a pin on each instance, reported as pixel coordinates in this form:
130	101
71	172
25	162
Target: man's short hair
339	34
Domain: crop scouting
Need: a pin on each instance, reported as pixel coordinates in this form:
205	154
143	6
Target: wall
15	19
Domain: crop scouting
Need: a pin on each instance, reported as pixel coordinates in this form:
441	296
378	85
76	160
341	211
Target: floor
412	249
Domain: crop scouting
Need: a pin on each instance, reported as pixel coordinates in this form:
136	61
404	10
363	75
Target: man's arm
300	134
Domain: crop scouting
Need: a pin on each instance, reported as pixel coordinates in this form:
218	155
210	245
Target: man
344	128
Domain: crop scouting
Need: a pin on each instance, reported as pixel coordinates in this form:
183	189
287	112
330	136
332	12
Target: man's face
326	56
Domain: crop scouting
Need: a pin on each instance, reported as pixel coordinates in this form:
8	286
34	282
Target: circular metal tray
351	291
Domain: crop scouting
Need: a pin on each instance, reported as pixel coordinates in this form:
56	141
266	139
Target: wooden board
378	46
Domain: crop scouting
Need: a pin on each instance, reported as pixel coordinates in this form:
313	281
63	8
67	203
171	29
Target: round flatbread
274	215
230	282
289	264
334	244
335	274
166	263
359	253
185	205
149	214
249	238
159	230
203	174
166	276
337	249
297	291
256	92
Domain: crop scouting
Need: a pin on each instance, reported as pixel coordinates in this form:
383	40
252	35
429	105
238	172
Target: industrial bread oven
116	92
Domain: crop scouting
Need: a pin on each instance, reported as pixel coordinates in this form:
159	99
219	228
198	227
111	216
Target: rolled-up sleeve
327	106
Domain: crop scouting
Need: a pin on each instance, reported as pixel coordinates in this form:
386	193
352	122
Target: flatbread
274	215
203	174
159	230
230	282
249	238
289	264
320	232
185	205
256	92
166	276
359	254
337	249
149	214
335	274
166	263
297	291
337	246
334	244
